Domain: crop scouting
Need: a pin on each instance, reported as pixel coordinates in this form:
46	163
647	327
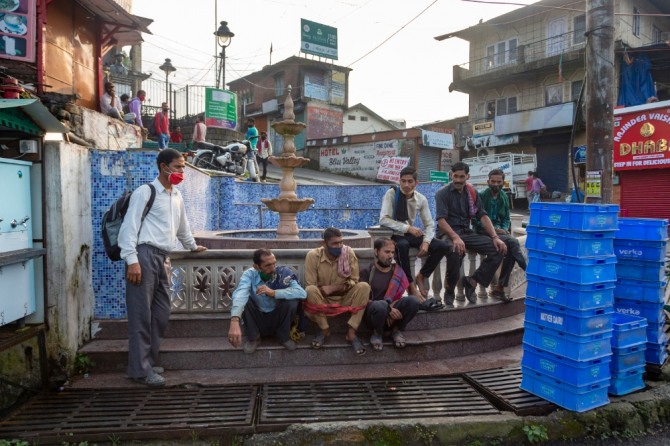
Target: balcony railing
563	44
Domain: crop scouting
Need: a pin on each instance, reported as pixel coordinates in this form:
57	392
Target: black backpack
113	217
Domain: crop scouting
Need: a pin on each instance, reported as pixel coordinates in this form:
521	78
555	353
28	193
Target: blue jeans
163	140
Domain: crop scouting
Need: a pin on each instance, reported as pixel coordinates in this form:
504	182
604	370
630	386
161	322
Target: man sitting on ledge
331	275
266	300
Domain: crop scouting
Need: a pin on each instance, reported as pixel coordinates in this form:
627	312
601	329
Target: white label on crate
630	252
631	311
551	318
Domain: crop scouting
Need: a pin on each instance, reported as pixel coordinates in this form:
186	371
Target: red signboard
641	138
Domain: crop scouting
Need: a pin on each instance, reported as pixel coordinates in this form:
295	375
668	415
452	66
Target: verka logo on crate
597	298
597	271
555	218
637	253
631	311
552	293
596	247
551	318
549	343
550	243
547	390
552	268
547	365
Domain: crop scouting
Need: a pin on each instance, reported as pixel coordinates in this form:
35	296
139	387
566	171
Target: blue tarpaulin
636	85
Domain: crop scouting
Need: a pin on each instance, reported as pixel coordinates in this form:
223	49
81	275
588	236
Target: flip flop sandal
430	305
399	339
318	341
357	345
376	342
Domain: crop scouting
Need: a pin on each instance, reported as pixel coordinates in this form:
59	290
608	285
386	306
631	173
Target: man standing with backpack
145	246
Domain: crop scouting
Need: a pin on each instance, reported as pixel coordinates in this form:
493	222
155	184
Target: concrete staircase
196	351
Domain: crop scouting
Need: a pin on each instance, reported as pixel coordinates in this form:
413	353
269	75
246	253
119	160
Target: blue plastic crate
570	243
656	333
628	330
570	295
576	322
576	217
656	353
577	399
639	270
627	382
575	373
642	290
653	251
647	229
628	358
571	269
577	348
653	312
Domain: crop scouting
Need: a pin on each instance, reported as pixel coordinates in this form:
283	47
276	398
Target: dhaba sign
642	137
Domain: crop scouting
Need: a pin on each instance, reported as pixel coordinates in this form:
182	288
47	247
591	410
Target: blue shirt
252	137
250	281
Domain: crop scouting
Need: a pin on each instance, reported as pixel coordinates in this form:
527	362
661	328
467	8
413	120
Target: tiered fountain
288	204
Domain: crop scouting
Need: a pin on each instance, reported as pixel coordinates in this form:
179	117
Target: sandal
318	341
430	304
376	342
399	339
357	345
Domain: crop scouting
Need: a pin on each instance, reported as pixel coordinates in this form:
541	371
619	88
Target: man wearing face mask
264	150
333	288
145	246
162	126
266	300
387	307
496	204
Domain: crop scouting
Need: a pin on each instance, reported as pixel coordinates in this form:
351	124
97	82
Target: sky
407	77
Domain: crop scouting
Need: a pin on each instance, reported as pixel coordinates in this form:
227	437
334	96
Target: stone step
507	357
202	353
216	324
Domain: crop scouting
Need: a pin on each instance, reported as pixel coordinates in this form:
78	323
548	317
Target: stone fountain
287	204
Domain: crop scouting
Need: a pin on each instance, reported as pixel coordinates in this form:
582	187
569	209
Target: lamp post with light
224	36
167	68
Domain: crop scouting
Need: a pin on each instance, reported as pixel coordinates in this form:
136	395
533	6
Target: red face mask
175	178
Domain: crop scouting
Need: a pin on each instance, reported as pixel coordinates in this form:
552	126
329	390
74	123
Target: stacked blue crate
640	246
571	277
628	346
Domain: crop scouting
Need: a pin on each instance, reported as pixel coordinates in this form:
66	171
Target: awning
119	24
13	114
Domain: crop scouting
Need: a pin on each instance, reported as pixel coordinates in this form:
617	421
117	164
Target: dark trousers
509	260
436	250
377	312
264	163
276	323
148	306
481	244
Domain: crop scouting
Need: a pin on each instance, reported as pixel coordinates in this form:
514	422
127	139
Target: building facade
526	69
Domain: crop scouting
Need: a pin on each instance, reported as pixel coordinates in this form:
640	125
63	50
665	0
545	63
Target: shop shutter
643	193
429	159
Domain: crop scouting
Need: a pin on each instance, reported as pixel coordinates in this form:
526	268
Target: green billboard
318	39
220	108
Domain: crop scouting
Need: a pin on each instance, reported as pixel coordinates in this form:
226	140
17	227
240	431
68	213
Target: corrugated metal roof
40	115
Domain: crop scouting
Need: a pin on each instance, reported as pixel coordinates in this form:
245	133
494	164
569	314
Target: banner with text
389	168
220	108
359	159
437	139
641	140
318	39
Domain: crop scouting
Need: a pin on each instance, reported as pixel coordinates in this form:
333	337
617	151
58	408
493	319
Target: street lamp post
167	68
224	37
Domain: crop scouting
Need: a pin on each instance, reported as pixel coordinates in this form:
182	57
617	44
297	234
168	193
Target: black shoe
519	257
469	290
449	298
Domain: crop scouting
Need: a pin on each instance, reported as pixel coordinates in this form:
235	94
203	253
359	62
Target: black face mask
495	188
249	126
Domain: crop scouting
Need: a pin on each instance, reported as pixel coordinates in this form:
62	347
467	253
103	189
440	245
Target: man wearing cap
117	67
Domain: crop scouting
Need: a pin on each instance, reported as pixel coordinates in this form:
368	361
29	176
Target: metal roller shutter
643	193
429	159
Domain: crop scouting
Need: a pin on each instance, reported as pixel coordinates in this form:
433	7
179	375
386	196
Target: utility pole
600	83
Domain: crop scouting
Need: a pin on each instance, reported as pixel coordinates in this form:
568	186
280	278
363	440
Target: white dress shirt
165	222
416	204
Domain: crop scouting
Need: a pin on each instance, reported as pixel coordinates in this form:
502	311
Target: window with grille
502	53
579	28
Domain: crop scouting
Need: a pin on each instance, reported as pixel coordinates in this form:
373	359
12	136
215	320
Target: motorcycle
232	158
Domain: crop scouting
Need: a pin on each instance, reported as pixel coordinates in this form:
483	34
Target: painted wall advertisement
359	159
318	39
641	139
437	139
220	108
17	30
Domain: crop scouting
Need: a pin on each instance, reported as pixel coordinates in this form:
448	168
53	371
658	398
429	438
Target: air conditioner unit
27	146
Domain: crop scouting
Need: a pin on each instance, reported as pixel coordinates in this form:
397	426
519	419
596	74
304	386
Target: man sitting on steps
331	275
266	301
496	204
387	307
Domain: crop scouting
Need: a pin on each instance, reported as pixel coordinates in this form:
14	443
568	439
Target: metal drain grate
146	413
283	404
501	386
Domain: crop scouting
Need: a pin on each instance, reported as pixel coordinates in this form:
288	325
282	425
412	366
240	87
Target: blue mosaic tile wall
215	203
